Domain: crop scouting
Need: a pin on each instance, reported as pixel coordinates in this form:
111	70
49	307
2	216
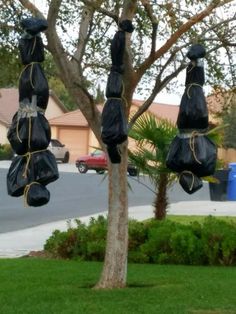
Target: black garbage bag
114	85
190	182
34	25
31	49
36	194
117	51
193	112
18	134
33	82
196	51
114	124
114	154
126	26
195	153
44	167
29	134
195	73
18	176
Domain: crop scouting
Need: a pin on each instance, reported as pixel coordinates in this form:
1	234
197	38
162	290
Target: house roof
72	118
162	111
76	118
9	103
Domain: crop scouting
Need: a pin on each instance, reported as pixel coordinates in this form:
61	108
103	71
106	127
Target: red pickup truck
98	161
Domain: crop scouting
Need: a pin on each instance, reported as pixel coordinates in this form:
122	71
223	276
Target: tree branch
53	12
31	7
176	35
158	87
96	5
84	32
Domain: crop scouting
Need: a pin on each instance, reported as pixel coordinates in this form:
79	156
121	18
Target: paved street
76	195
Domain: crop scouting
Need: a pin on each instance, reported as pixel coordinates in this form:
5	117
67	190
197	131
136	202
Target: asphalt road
77	195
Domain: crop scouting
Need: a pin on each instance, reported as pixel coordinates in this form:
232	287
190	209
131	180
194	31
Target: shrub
158	241
6	152
219	241
164	242
186	246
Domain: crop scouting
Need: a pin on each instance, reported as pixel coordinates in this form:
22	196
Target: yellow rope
26	191
34	44
31	72
189	86
28	156
189	172
192	144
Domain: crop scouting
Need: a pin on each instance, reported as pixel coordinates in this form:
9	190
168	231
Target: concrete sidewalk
21	242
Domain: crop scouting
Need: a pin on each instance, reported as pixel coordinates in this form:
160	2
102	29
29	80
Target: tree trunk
115	264
161	200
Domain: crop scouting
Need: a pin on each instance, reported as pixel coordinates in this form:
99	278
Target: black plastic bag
18	176
196	51
195	73
117	50
34	25
193	112
114	124
44	167
126	26
190	182
114	85
33	82
36	194
29	134
114	154
31	49
195	153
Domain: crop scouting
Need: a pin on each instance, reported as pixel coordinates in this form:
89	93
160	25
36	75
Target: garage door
76	140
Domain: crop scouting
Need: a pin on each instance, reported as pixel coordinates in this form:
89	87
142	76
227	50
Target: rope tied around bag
189	87
28	156
34	45
27	110
31	71
192	144
26	191
193	178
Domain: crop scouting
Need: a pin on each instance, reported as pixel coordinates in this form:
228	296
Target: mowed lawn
30	285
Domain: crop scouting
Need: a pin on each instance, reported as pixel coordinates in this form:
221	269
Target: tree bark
161	201
115	264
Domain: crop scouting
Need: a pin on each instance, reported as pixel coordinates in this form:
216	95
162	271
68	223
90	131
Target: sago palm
153	137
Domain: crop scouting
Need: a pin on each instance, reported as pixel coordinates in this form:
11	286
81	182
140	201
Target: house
73	130
9	105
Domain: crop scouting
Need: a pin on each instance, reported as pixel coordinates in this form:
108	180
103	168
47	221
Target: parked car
59	151
97	161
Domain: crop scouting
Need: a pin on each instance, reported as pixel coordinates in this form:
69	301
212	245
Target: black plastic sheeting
114	122
190	182
192	154
30	133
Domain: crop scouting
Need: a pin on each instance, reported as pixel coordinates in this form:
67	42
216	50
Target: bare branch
84	32
53	12
96	5
176	35
31	7
159	86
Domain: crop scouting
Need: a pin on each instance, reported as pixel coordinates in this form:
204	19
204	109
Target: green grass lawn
40	286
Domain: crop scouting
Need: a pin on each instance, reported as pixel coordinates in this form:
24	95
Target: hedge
212	242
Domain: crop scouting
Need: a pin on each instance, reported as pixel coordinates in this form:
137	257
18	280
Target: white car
59	151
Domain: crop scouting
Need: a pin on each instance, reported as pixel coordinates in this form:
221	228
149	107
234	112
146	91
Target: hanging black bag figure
193	113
